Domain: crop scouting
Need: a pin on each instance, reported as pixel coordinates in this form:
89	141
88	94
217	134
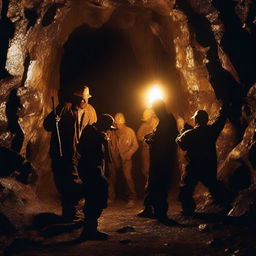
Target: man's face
119	125
83	103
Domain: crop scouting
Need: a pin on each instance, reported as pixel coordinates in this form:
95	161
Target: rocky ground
202	235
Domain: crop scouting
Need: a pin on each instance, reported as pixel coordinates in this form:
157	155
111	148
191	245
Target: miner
162	163
200	146
123	144
66	123
91	147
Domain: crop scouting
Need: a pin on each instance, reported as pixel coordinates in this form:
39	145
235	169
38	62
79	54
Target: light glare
154	94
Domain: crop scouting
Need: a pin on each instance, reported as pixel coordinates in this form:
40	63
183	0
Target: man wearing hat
163	159
123	144
71	118
200	146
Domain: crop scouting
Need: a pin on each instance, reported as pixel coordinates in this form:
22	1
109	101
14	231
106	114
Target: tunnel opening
104	59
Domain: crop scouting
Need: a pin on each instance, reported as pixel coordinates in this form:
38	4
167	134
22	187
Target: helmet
106	121
83	91
201	117
147	114
119	118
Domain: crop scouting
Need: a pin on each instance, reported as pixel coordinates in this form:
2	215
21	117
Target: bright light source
155	93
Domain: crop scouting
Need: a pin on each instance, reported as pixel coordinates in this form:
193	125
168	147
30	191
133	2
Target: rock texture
210	59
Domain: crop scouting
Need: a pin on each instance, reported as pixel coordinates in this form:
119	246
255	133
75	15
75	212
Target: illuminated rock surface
202	51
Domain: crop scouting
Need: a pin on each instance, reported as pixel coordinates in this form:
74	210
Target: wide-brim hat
83	92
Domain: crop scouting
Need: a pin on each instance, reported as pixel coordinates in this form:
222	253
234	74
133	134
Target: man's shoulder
190	132
129	129
91	113
89	107
198	131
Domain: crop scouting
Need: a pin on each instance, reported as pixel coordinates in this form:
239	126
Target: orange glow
155	93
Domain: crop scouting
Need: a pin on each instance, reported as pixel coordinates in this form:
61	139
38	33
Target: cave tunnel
104	59
118	49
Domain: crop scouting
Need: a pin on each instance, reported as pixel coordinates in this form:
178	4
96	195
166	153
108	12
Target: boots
147	213
90	231
92	234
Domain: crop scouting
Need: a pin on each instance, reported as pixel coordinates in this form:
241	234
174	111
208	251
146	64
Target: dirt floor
131	235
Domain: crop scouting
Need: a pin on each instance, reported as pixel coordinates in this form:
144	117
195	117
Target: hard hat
119	118
147	114
107	121
201	116
83	92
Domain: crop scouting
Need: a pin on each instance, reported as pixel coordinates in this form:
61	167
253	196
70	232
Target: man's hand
77	180
57	118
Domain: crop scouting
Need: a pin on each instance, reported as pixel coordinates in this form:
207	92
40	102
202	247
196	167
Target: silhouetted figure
92	172
123	144
149	123
200	146
72	117
12	107
162	162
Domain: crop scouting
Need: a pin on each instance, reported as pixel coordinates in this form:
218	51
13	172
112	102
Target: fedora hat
83	92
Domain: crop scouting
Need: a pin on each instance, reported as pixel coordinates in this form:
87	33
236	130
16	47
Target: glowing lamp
155	93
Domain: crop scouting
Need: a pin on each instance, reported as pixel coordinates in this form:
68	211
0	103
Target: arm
49	121
182	140
84	141
220	121
140	133
134	145
91	113
186	127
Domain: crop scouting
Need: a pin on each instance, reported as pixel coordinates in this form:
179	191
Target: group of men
82	145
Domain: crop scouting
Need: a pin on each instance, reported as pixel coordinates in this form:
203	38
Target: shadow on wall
12	107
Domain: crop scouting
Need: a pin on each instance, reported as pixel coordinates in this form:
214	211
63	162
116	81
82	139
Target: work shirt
123	143
91	150
162	143
200	142
72	122
146	128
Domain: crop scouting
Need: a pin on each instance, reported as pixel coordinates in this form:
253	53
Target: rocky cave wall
209	44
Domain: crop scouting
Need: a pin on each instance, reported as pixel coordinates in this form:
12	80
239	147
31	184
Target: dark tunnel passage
104	60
